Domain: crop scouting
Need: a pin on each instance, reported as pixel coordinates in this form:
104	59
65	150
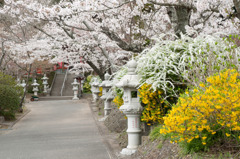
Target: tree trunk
100	73
179	17
3	54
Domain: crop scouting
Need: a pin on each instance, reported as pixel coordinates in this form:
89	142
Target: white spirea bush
186	60
117	77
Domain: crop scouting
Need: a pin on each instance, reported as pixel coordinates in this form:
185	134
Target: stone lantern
18	82
75	89
45	83
107	94
95	89
35	87
131	107
23	84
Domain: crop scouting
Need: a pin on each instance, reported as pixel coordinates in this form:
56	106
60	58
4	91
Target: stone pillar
45	83
75	89
131	107
95	89
107	94
35	87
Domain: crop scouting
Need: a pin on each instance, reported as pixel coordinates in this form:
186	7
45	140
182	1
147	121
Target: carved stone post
45	83
131	107
75	89
107	94
95	89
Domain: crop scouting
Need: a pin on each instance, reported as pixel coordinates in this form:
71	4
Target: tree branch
173	5
237	7
94	67
3	53
122	44
102	49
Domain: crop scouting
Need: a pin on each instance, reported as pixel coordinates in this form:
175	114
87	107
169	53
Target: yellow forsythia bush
154	106
118	101
100	89
211	110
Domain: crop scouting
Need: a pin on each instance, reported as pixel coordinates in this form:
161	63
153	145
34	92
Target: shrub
118	100
207	114
10	81
9	101
100	89
185	61
154	105
86	85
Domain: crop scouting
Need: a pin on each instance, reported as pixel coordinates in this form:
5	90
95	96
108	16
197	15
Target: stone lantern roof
75	83
95	83
35	83
23	84
45	77
131	79
106	83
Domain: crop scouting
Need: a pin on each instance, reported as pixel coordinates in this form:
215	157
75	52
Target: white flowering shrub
186	61
116	78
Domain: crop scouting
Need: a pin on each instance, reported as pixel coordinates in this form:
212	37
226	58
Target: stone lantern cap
95	83
45	77
106	83
130	80
75	83
35	83
23	84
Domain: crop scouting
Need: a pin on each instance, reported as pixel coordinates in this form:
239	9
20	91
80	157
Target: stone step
68	86
57	86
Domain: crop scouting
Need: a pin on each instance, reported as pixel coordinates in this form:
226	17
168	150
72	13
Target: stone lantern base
127	151
75	98
75	95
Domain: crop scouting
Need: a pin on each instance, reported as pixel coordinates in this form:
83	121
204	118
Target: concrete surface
57	85
54	130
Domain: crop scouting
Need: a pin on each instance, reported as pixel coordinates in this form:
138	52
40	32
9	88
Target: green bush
10	81
87	86
10	95
9	101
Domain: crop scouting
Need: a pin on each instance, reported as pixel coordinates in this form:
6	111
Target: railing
64	81
53	81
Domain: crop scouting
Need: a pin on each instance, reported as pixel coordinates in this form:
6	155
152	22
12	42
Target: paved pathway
54	130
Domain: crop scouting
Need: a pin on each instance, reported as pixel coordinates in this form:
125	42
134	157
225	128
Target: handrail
64	81
53	81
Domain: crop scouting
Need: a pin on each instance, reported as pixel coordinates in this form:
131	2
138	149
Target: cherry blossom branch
102	49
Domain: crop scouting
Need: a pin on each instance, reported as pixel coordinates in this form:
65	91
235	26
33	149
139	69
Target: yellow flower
201	85
204	138
228	135
195	90
204	143
197	136
213	133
